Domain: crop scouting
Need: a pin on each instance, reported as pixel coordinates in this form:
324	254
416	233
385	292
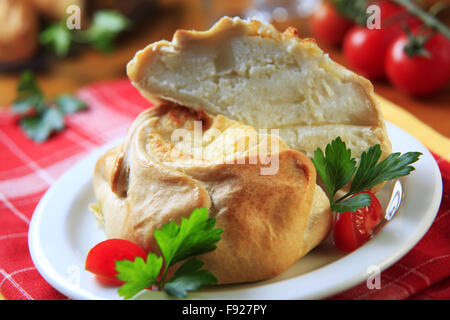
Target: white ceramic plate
63	230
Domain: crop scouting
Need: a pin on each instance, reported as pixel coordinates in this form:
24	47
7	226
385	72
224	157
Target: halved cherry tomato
101	259
353	229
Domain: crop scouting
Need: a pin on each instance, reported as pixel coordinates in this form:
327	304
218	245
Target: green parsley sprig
337	167
101	34
195	235
40	117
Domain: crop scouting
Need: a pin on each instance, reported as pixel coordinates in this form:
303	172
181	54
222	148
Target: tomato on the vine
420	74
365	49
101	259
328	25
353	229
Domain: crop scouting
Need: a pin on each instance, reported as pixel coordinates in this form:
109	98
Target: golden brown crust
265	217
225	28
19	30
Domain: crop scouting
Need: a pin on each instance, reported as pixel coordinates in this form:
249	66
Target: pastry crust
57	9
250	72
269	221
19	30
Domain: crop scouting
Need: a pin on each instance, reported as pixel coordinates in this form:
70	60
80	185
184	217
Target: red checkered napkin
27	170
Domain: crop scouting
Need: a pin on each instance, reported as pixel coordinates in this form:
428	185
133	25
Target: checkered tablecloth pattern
27	169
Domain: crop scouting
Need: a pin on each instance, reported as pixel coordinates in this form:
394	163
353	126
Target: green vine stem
428	19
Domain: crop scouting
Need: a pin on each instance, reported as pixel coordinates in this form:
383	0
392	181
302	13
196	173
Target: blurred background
33	37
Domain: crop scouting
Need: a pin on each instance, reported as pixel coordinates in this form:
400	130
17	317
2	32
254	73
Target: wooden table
90	66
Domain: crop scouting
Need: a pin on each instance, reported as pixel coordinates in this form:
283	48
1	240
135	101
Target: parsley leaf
69	104
29	96
138	274
101	34
336	168
103	31
40	126
195	235
370	173
40	118
58	37
189	277
352	204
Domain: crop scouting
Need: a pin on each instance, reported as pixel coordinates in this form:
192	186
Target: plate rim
70	290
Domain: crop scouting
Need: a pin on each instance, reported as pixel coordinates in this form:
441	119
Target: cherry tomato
328	25
107	281
353	229
101	259
419	75
365	49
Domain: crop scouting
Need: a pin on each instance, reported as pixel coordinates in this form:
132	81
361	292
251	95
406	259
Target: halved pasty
250	72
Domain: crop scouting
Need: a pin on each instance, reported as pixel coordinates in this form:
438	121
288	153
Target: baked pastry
160	174
57	9
250	72
19	30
